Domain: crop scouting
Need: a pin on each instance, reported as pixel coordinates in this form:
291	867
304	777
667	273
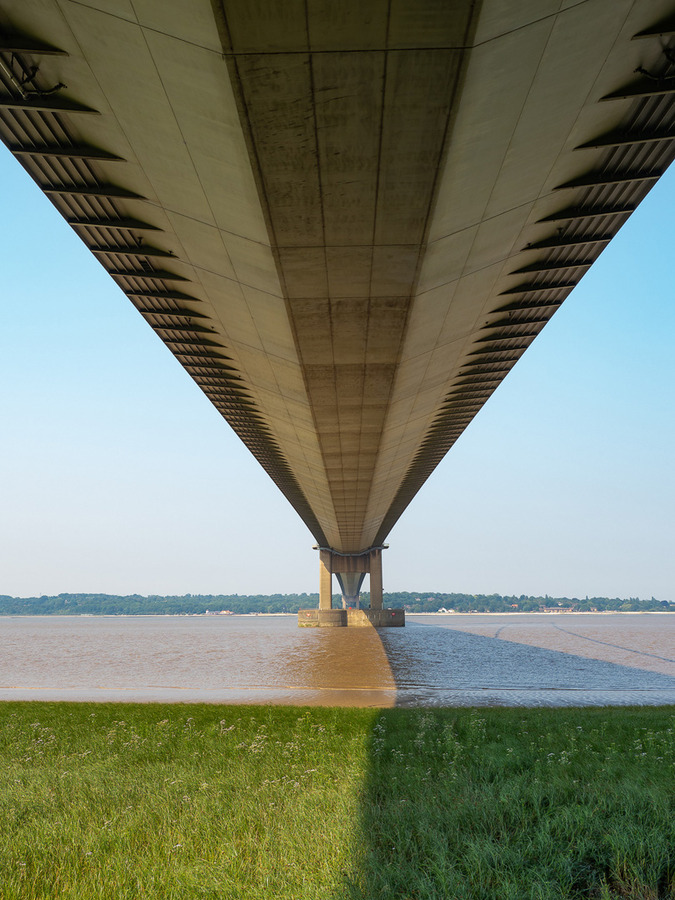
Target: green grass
122	801
522	804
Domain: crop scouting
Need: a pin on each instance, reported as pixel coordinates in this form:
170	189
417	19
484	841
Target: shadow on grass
519	804
516	803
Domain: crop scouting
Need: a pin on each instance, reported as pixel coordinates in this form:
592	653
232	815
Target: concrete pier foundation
352	618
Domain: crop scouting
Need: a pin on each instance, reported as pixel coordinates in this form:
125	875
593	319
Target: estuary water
444	660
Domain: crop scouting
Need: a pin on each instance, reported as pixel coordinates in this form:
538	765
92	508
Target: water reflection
449	660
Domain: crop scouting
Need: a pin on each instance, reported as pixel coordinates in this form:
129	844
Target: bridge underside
346	220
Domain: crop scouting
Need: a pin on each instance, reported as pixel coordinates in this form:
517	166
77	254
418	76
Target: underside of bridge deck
346	220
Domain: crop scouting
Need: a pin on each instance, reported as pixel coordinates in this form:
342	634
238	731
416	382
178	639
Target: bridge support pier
350	569
325	579
376	578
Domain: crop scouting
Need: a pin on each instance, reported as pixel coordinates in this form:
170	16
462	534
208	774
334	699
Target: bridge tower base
350	569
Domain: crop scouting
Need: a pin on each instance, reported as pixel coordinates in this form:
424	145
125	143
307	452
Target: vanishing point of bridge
347	219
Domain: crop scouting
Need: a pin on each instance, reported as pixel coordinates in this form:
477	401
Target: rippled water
435	660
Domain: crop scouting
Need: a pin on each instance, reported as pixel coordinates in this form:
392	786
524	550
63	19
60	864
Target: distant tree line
198	604
497	603
138	605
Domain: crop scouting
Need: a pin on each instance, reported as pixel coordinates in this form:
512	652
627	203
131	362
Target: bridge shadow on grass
488	802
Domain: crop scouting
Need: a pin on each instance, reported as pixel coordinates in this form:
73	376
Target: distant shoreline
256	615
563	612
418	603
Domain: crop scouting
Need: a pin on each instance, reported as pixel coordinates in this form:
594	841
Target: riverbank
121	801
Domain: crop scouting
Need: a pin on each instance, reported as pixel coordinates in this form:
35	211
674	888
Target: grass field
133	801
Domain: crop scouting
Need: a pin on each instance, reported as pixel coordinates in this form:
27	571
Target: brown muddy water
445	660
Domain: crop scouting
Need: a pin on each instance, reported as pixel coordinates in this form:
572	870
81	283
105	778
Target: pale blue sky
117	475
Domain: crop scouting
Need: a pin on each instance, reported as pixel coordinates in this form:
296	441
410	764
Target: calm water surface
514	660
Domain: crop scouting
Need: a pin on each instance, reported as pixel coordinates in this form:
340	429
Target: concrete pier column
325	579
376	579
